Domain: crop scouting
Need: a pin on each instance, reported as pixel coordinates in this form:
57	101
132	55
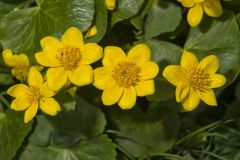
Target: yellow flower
91	32
195	81
68	60
20	64
110	4
122	78
31	97
212	8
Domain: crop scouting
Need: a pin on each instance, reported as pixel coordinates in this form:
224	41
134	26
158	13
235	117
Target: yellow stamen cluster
199	79
69	57
20	72
126	74
34	94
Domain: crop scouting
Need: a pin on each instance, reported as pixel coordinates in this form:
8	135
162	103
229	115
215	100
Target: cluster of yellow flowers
122	77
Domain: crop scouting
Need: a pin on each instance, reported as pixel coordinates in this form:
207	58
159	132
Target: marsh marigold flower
68	59
36	95
122	78
195	81
212	8
19	63
110	4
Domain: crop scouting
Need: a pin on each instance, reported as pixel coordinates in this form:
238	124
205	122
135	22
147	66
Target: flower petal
73	37
112	95
82	75
210	64
92	31
91	53
182	91
20	103
191	101
187	3
15	60
8	58
46	60
110	4
113	55
148	70
195	15
45	92
213	8
56	78
51	46
35	78
218	80
103	78
175	74
139	53
18	90
145	88
208	97
49	106
22	60
128	99
189	60
31	112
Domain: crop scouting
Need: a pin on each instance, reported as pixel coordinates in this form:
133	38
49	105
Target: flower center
69	57
34	94
199	79
20	72
126	74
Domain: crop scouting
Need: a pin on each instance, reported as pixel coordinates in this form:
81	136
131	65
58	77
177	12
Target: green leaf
164	53
64	139
220	37
138	20
97	148
162	17
42	132
238	18
6	7
22	30
12	133
86	121
143	134
125	10
101	21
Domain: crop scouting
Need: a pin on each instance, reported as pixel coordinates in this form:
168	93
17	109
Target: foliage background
156	128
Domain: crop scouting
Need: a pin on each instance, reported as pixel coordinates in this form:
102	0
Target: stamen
126	74
34	94
20	72
69	57
199	79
